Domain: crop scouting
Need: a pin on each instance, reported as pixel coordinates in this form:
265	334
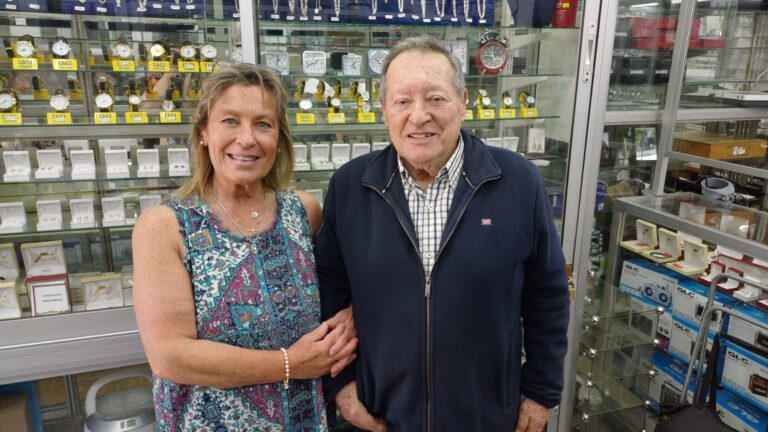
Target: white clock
104	101
60	47
352	64
376	57
458	47
313	62
7	100
208	51
277	61
187	51
123	50
59	101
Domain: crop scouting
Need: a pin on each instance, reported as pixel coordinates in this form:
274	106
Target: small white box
493	142
690	300
695	259
300	162
359	149
320	157
83	164
9	263
683	337
148	161
149	201
740	414
44	258
510	143
9	301
747	332
81	210
668	250
17	166
49	216
113	211
102	292
644	279
666	385
13	218
49	164
340	154
178	162
380	145
117	163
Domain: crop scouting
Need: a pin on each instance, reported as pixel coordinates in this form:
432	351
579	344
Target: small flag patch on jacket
486	222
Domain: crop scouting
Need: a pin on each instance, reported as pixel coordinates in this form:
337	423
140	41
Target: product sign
64	64
170	117
25	63
59	118
123	65
305	118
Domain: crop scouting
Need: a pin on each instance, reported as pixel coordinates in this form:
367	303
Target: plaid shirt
429	209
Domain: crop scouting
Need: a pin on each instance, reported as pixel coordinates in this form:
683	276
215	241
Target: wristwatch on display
334	104
506	100
8	48
313	62
168	101
60	48
158	51
123	50
37	83
59	101
106	53
305	104
8	100
526	100
187	51
365	106
483	98
133	96
376	57
353	88
352	64
492	54
104	100
277	61
25	47
208	52
337	88
143	53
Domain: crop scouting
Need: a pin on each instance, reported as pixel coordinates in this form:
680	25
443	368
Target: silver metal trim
729	166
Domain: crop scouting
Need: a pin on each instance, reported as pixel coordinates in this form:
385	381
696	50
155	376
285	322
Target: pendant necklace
466	10
481	12
254	215
453	8
423	8
440	11
292	6
303	7
337	8
374	7
142	6
400	5
318	8
274	7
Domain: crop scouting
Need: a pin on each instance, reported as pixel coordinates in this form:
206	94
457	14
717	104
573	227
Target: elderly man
447	252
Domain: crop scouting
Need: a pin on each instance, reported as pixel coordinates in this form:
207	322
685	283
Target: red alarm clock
492	54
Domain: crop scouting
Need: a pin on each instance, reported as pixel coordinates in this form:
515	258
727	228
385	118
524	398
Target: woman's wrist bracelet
287	368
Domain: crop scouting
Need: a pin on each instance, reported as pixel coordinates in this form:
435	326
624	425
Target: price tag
470	115
41	94
529	112
105	118
76	95
138	117
507	113
208	67
337	118
159	66
10	119
486	114
64	64
59	118
366	117
170	117
305	118
189	66
24	63
123	65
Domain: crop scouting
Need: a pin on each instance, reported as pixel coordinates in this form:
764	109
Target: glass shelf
612	334
614	365
10	19
378	27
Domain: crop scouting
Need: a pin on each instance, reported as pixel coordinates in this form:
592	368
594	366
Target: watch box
17	166
379	145
339	154
359	149
178	162
13	218
719	147
117	163
49	294
113	211
49	216
9	263
83	164
300	162
81	210
148	161
646	237
668	248
49	164
103	291
149	201
44	258
320	157
9	301
695	259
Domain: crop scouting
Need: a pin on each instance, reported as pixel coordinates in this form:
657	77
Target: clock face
157	50
25	49
60	48
305	104
168	105
491	57
335	102
187	52
123	50
59	102
134	99
459	49
103	100
313	62
352	64
208	51
277	61
7	101
365	107
507	100
486	101
376	59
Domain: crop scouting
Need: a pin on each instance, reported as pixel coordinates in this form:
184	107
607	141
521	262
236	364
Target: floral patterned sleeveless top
257	292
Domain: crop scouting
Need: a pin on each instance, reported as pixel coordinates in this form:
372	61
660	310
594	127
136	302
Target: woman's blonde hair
217	83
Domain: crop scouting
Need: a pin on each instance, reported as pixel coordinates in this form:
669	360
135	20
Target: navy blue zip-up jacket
449	361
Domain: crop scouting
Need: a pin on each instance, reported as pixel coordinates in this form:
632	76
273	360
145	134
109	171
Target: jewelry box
359	149
339	154
695	259
380	145
117	163
49	216
13	218
49	164
320	157
81	210
44	258
9	263
668	250
49	294
148	161
178	162
149	201
113	211
510	143
493	142
17	166
300	162
103	291
9	301
646	237
83	164
730	286
715	268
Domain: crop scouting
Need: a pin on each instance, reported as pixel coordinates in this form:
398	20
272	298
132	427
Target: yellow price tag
64	64
337	118
24	63
529	112
507	113
158	66
59	118
40	94
486	114
136	117
105	118
366	117
305	118
170	117
208	67
123	65
10	119
189	66
470	115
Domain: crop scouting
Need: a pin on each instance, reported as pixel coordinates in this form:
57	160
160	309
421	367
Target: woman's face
242	135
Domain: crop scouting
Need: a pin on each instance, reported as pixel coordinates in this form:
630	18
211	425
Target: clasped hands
328	349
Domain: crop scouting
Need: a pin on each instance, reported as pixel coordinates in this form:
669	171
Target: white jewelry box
339	154
49	164
117	163
83	164
380	145
113	211
13	218
359	149
9	263
44	258
320	157
9	301
49	216
81	210
695	259
102	292
646	237
149	201
510	143
178	162
493	142
17	166
300	162
668	250
148	161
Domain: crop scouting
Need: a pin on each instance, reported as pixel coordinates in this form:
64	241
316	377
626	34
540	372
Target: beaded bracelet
287	368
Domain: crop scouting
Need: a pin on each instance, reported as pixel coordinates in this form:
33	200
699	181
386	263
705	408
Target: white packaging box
83	164
320	157
380	145
690	298
683	337
17	166
49	164
300	161
103	291
9	301
510	143
44	258
178	162
359	149
493	142
9	263
746	374
747	332
664	331
641	278
340	154
740	414
148	161
13	218
81	211
117	163
49	216
113	211
666	385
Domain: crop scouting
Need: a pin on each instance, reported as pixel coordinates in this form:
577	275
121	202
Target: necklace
453	8
274	6
466	10
254	215
400	6
318	8
303	6
292	6
337	8
424	9
142	6
440	10
481	12
374	7
237	6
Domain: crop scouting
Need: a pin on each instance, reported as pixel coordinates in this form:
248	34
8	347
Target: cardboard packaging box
14	413
719	147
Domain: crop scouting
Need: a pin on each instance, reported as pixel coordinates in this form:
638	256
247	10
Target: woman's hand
310	356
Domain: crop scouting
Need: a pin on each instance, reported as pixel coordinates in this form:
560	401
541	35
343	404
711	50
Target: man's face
422	110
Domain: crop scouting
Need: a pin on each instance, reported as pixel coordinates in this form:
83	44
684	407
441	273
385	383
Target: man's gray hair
427	44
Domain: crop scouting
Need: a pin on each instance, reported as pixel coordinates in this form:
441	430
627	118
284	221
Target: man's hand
532	417
354	412
347	342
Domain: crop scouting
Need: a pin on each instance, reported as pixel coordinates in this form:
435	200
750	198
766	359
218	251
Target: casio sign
737	357
623	34
636	71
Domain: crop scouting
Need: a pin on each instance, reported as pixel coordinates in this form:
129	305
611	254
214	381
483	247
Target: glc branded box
747	332
746	374
740	414
666	384
683	337
643	279
690	298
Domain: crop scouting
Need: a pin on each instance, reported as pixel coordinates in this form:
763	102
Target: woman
225	288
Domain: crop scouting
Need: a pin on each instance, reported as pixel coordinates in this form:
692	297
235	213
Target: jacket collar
479	165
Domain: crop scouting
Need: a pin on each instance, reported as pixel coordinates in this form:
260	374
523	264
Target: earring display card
735	224
102	292
178	162
9	301
149	201
49	294
113	210
44	258
749	293
300	158
82	213
340	154
17	166
49	215
117	163
149	162
83	164
13	218
668	250
646	237
359	149
9	263
537	141
320	157
49	164
695	260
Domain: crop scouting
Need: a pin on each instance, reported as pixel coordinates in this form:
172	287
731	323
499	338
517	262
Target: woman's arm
314	212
